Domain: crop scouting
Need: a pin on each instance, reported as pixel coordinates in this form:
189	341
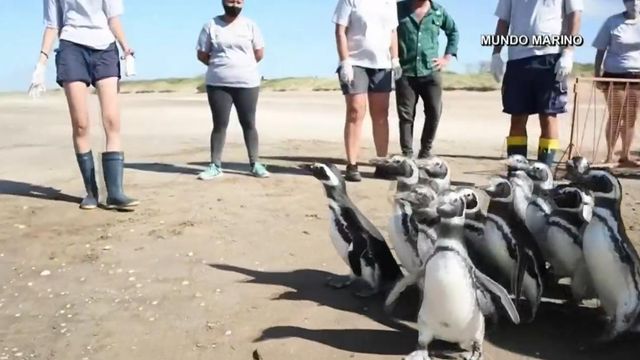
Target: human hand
129	61
564	65
346	72
37	86
440	63
396	68
497	67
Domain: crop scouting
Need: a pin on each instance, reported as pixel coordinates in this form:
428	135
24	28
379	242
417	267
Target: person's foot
628	163
259	170
408	154
352	173
424	154
212	172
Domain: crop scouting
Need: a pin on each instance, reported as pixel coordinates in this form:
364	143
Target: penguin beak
447	211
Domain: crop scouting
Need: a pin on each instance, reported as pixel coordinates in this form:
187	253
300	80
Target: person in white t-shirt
535	80
231	46
618	56
367	47
88	55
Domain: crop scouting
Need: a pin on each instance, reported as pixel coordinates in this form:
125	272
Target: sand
216	270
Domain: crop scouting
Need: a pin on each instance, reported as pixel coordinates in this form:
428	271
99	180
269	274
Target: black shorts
367	80
620	85
75	62
530	87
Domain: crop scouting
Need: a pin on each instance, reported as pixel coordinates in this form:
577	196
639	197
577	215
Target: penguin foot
475	353
339	283
418	355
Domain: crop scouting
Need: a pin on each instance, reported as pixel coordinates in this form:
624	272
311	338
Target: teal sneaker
213	171
260	171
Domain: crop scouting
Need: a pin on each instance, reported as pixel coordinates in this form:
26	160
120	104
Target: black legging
245	101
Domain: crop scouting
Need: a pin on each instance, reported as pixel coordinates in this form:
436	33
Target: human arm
601	43
341	21
258	44
503	12
203	46
114	9
453	35
53	23
597	68
572	21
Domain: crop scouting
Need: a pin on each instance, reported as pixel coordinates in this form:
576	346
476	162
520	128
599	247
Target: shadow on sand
556	334
17	188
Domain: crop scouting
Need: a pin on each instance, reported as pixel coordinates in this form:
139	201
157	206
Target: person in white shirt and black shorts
618	56
535	79
87	55
367	45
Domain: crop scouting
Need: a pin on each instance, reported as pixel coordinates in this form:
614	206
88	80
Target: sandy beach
219	269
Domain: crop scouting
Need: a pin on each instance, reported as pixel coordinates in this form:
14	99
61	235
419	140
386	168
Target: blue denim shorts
367	80
530	87
75	62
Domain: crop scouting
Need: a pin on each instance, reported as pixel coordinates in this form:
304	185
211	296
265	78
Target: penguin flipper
534	271
500	292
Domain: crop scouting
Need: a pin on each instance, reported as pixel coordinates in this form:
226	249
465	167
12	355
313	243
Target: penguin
434	171
455	293
508	246
612	261
419	220
358	242
572	211
403	168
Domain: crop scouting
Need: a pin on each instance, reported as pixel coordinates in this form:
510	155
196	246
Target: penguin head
577	166
471	199
435	171
396	165
517	162
574	198
499	189
328	174
450	206
421	196
602	183
541	175
522	181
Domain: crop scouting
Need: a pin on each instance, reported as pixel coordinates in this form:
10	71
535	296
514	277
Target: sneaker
352	173
213	171
258	170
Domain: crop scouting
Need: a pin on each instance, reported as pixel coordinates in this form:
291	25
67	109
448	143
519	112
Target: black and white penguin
455	294
435	172
509	248
403	168
572	211
357	240
613	263
419	222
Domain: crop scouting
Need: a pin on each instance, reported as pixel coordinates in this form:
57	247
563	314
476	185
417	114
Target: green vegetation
479	80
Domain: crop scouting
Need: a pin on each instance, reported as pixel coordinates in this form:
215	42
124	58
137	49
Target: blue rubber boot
113	168
88	171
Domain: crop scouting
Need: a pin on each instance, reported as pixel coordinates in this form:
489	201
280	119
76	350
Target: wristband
45	54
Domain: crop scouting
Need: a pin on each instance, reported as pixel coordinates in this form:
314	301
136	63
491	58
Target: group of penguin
472	262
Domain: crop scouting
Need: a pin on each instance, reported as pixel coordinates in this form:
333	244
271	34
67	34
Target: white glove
129	66
564	65
37	81
346	72
396	69
497	67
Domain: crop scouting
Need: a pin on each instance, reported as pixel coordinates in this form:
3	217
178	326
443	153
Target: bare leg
108	96
615	99
76	94
628	127
379	111
356	108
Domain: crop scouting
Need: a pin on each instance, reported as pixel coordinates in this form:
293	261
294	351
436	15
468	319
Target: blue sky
298	33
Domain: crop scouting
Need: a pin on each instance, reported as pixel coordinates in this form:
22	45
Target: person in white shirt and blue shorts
367	47
87	55
535	79
618	56
231	45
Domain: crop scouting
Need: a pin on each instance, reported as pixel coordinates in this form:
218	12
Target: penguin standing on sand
613	263
509	247
357	240
572	211
455	292
434	171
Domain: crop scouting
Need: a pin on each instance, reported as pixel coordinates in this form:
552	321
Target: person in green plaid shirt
420	23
